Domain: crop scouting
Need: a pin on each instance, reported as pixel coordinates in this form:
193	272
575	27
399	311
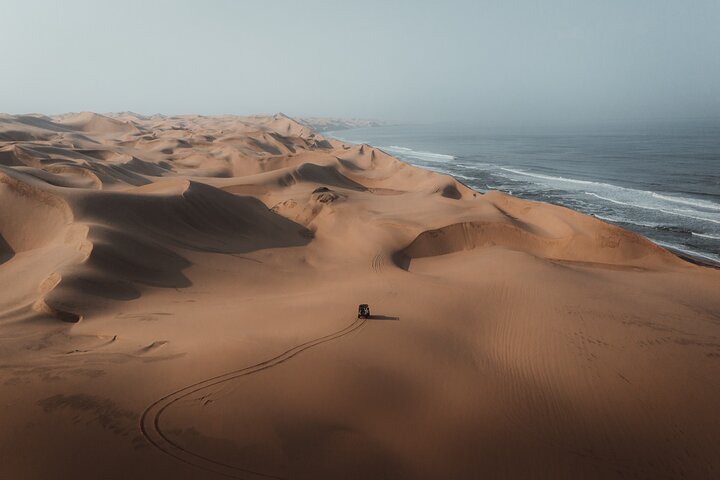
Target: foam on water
706	235
401	151
420	155
345	140
631	197
639	223
681	213
693	253
680	221
686	201
553	179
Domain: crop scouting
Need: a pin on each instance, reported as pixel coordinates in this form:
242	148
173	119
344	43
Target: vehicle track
378	263
150	420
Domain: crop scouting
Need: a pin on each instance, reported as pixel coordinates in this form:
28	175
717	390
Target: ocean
660	180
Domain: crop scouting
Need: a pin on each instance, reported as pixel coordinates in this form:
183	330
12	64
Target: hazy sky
503	60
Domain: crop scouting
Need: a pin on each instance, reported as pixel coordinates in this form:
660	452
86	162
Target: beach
180	297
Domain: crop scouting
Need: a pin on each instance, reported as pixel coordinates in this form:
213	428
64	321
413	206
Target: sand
179	300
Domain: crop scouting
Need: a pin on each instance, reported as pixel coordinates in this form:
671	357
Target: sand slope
179	300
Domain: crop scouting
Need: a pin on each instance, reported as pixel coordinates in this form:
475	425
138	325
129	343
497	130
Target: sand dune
543	231
179	300
96	124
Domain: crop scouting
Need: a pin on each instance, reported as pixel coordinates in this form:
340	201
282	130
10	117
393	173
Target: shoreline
694	259
598	196
142	256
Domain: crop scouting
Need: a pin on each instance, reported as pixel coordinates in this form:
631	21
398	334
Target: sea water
660	180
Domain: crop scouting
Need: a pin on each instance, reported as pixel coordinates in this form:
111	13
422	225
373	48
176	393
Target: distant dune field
178	299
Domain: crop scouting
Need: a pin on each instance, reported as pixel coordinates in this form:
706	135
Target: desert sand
178	299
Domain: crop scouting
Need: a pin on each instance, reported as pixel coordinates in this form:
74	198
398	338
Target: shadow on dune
451	191
401	260
138	241
134	259
118	268
382	317
201	218
70	293
589	242
264	146
6	252
321	174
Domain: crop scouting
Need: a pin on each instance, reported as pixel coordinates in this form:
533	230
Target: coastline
694	259
561	167
146	256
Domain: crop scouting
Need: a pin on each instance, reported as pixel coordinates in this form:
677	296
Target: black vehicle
363	310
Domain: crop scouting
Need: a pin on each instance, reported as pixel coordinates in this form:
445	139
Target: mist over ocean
662	180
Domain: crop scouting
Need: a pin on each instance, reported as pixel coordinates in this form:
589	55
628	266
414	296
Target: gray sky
499	61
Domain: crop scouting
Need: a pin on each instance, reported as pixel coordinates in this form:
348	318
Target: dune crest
544	231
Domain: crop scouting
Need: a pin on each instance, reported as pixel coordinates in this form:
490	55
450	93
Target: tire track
150	419
378	263
379	267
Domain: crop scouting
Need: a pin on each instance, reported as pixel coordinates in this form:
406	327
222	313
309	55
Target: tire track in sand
150	420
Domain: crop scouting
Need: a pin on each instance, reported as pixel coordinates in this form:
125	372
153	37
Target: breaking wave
681	213
707	235
692	253
417	154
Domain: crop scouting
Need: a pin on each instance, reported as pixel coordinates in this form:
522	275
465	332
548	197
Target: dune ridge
145	255
158	169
